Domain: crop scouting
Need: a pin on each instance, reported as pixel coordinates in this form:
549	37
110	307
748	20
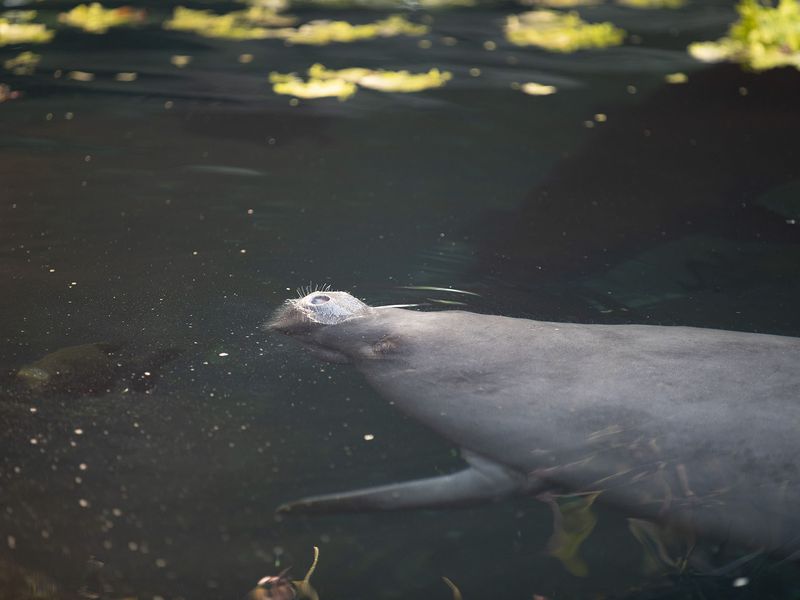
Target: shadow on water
661	214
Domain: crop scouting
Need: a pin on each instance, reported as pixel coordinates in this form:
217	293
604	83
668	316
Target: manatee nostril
320	299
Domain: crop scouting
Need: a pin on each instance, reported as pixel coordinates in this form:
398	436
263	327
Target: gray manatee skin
692	427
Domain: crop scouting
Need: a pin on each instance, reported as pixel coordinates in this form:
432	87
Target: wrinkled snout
315	309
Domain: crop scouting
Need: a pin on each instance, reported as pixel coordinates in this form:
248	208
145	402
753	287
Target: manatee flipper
481	481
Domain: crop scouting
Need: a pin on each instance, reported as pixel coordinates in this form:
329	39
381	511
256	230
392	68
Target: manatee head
34	378
334	326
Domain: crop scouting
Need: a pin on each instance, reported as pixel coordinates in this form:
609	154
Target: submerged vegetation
559	32
764	37
328	83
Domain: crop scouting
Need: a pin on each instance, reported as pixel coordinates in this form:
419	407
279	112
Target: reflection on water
163	203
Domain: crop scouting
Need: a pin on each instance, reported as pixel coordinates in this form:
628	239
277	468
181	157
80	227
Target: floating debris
95	18
561	3
263	15
647	4
6	93
559	32
23	33
292	85
180	60
323	32
538	89
246	25
393	4
403	81
231	26
325	83
126	76
676	78
80	76
353	74
764	37
19	16
23	64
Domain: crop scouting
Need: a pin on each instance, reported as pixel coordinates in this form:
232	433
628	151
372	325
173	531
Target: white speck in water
83	466
83	503
34	441
79	431
161	563
740	582
133	546
223	354
369	437
33	409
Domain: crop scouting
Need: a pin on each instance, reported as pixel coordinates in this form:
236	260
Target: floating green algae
390	4
560	3
764	37
384	81
95	18
560	32
646	4
292	85
323	32
343	83
249	24
23	33
231	26
23	64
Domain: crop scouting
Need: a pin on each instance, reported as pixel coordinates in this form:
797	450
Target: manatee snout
301	315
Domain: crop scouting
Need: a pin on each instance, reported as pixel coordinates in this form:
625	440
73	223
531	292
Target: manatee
84	368
92	369
693	428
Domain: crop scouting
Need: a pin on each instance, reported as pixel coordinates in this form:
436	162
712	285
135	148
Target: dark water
177	211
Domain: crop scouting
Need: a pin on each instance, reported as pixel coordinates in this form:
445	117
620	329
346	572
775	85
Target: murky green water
176	211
